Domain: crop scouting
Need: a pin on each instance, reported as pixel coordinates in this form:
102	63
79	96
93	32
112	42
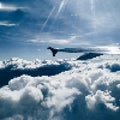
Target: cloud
61	6
101	97
17	67
53	39
7	24
35	91
63	3
7	7
118	86
89	87
46	21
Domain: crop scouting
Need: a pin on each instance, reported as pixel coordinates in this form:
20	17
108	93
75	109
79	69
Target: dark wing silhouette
53	50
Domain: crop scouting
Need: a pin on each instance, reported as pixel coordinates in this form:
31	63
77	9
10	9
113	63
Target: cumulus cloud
118	85
101	97
36	92
16	67
89	87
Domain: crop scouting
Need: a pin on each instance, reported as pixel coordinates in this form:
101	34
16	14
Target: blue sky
28	27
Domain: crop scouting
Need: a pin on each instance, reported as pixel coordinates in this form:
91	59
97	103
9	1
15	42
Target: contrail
45	23
61	6
59	9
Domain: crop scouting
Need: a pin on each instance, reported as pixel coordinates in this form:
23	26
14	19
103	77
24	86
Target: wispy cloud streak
61	6
7	7
7	24
45	23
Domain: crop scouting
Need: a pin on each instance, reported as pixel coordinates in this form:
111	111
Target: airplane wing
99	50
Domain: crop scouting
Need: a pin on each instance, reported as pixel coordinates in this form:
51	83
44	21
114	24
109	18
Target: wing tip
53	50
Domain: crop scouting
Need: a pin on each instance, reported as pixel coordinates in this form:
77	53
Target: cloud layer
90	90
16	67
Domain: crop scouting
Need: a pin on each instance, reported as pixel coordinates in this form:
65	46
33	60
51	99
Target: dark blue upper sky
27	27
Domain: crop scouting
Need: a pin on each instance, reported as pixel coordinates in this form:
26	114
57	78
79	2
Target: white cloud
118	86
7	24
61	6
57	96
32	92
101	97
53	40
47	97
18	63
6	7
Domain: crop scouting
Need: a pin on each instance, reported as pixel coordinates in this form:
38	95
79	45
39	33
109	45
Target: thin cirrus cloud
7	24
53	40
63	3
8	7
